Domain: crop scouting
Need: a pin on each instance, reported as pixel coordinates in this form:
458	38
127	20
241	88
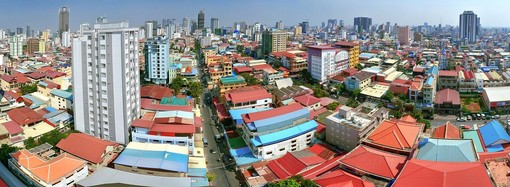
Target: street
439	120
214	161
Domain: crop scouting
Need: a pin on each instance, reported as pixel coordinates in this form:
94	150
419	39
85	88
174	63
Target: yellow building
219	67
230	83
42	46
45	36
298	30
352	48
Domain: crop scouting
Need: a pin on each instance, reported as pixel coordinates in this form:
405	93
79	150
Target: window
282	149
269	152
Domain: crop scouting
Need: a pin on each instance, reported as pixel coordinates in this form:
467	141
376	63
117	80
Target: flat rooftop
499	171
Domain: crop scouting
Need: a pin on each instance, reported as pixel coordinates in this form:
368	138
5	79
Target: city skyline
136	12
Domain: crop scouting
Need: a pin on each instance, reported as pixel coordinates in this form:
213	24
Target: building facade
274	41
353	49
16	45
106	80
469	26
63	21
157	60
363	23
404	35
321	62
201	19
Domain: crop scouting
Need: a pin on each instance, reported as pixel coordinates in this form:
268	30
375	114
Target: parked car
495	117
205	142
469	117
467	127
213	151
461	119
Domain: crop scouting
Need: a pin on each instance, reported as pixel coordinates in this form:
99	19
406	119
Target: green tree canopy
195	89
250	80
30	143
28	88
177	84
332	106
4	153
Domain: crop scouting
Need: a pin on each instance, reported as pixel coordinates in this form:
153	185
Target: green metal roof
473	135
232	80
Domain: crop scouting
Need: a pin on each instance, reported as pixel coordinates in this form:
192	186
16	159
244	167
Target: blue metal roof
495	148
199	181
280	121
494	134
35	101
445	150
433	70
63	94
243	156
429	81
42	83
153	159
58	116
197	172
237	113
278	136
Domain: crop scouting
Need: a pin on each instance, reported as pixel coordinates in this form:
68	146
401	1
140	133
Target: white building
61	99
106	80
66	39
321	62
156	60
16	45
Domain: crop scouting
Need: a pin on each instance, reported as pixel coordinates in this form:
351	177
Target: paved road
439	120
224	177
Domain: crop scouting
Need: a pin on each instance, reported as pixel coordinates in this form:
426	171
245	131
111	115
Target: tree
28	88
250	80
356	93
319	92
240	49
352	103
340	88
426	122
195	89
4	153
177	84
332	106
307	77
210	176
285	183
308	183
388	96
30	143
358	67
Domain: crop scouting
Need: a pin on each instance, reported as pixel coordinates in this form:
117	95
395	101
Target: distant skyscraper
193	26
274	41
280	25
106	80
201	17
215	24
404	37
387	27
28	32
156	60
363	23
19	30
165	23
469	25
149	27
305	26
341	23
63	20
186	25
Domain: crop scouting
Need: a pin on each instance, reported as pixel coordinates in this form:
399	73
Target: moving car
206	143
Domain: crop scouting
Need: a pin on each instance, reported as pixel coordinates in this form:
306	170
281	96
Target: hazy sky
43	14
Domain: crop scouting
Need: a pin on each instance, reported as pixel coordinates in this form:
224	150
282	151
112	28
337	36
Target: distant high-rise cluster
215	24
469	26
63	20
363	23
201	17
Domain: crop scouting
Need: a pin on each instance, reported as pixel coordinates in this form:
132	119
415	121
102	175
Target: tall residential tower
63	20
106	80
201	17
469	26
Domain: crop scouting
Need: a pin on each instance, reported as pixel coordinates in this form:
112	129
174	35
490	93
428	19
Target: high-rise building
298	30
32	46
404	35
149	28
156	52
106	80
274	41
16	45
66	39
215	24
193	26
165	23
280	25
469	25
201	17
321	62
2	34
305	27
331	24
63	20
28	32
352	48
19	30
363	23
186	25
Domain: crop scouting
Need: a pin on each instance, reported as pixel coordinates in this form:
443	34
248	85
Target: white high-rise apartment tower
106	80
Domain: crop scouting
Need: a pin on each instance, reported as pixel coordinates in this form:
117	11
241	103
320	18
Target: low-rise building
309	101
272	133
230	83
497	98
467	81
61	99
248	97
45	87
360	80
271	75
447	101
38	169
429	90
448	79
97	152
347	127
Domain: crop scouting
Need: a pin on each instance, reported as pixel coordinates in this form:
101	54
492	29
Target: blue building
157	60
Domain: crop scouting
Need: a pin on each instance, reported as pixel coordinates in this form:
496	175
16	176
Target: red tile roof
12	127
176	129
52	85
36	75
246	94
24	116
242	69
7	78
448	96
396	134
286	166
424	173
446	131
45	69
345	43
408	118
86	147
448	73
468	75
400	86
11	95
143	123
374	161
251	117
350	71
54	74
307	100
321	168
339	178
261	67
322	151
155	92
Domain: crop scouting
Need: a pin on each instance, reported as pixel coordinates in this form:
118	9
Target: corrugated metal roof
473	135
285	134
280	121
447	150
111	176
152	156
174	113
494	134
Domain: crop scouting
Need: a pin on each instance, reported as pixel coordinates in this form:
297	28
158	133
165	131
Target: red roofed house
97	152
341	178
447	101
446	131
24	116
248	97
14	131
467	81
424	173
294	61
366	160
55	76
36	76
155	92
45	87
400	86
170	127
63	170
396	136
9	82
309	101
